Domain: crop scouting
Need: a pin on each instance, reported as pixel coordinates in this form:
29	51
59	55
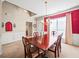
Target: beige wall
40	25
0	25
17	15
0	16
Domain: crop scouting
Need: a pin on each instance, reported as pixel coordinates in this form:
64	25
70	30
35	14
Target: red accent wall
75	21
8	26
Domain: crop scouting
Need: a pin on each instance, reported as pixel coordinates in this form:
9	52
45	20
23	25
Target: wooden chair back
29	49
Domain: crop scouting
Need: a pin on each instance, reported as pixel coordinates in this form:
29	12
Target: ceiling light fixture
46	7
45	2
46	10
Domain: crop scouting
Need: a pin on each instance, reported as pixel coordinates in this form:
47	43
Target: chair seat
35	54
33	49
52	48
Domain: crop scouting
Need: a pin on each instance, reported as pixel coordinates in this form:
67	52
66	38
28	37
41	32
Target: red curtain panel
46	40
8	26
75	21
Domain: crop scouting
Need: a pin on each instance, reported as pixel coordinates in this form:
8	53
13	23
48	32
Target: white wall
15	15
75	39
0	16
0	26
40	25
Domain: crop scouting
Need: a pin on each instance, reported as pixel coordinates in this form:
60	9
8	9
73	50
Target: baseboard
76	44
10	42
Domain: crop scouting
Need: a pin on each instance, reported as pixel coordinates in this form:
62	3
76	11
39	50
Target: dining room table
40	43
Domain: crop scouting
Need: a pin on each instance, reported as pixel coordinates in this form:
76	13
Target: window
58	24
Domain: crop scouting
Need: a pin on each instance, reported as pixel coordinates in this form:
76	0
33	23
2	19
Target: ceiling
38	6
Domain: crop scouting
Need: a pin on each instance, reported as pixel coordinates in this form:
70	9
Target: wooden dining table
36	42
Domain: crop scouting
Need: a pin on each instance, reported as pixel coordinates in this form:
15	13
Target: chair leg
29	54
55	54
25	52
38	51
60	48
58	52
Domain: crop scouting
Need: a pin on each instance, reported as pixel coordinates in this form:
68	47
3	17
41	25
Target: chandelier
45	2
46	7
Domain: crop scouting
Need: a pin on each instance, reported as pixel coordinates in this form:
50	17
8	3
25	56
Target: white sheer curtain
58	24
68	39
62	26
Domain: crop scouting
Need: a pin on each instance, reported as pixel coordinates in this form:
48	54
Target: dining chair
60	37
55	47
25	43
59	44
30	50
36	35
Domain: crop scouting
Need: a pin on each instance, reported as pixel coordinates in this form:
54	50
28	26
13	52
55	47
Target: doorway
28	28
